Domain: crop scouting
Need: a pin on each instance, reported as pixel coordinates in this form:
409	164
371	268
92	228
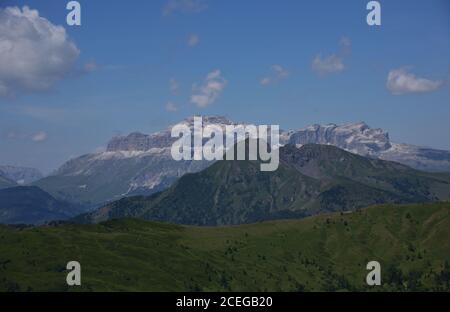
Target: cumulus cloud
278	73
328	65
40	136
193	40
171	107
34	53
207	93
400	81
185	6
265	81
333	63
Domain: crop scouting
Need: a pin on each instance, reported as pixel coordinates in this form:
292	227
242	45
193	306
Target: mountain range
310	180
360	139
141	164
5	182
20	175
31	205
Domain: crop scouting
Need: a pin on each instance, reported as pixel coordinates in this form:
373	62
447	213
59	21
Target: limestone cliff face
358	137
137	141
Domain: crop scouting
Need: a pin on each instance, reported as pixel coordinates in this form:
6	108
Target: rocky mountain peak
137	141
355	137
215	119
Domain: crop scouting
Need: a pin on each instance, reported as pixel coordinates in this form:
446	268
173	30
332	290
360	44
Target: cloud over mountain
333	63
277	73
40	136
207	93
328	65
34	53
400	81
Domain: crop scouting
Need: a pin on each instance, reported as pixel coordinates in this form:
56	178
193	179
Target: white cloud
174	86
171	107
278	73
400	81
193	40
39	136
185	6
328	65
34	53
333	63
265	81
210	90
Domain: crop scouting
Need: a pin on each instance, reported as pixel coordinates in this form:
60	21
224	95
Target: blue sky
262	53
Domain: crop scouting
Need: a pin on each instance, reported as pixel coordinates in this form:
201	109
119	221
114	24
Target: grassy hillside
325	252
229	192
331	164
310	180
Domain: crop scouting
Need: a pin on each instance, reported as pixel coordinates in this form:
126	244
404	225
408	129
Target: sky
144	65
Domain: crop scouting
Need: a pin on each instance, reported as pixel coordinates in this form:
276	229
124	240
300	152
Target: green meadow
322	253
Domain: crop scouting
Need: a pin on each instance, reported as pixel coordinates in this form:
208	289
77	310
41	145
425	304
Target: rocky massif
142	164
360	139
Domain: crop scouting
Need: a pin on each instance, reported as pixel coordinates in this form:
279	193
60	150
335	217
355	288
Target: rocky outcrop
358	138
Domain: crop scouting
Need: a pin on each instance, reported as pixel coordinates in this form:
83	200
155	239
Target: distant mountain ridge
31	205
142	164
131	165
311	179
21	175
357	138
360	139
5	182
140	142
